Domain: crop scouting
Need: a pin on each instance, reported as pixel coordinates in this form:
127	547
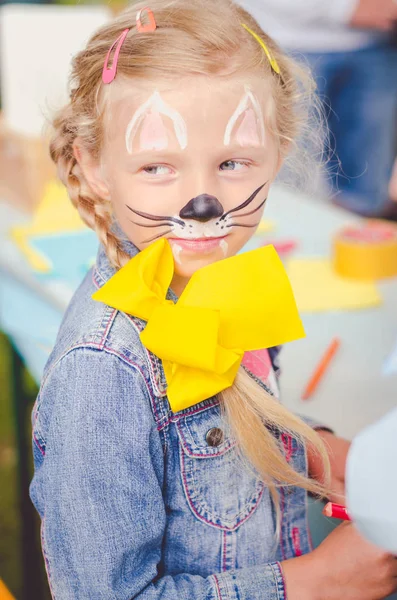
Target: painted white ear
251	130
247	133
153	132
155	105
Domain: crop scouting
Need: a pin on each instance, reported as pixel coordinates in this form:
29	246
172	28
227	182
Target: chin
185	266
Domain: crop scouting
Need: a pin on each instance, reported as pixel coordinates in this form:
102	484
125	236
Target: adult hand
337	452
343	566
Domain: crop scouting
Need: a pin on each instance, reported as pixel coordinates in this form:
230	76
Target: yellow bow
229	307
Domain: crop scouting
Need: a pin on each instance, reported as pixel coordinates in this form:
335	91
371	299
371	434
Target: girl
163	468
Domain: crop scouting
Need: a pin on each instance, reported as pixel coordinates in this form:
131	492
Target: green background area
21	563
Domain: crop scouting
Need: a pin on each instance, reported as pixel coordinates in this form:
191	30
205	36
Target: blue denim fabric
359	89
134	502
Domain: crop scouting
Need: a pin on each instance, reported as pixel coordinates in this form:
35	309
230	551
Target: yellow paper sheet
55	214
318	288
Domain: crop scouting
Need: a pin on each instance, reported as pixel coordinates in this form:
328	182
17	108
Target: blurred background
351	47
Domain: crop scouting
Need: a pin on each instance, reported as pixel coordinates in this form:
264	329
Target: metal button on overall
214	437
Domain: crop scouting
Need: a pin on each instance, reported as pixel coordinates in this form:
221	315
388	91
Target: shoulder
93	392
88	323
91	325
86	378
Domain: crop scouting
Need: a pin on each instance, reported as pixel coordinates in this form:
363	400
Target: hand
343	566
375	14
338	449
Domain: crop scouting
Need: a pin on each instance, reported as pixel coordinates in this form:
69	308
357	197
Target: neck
178	284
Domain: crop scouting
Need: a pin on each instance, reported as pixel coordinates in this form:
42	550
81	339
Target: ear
282	153
91	170
279	164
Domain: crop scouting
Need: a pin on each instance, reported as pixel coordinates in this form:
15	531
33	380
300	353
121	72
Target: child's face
191	162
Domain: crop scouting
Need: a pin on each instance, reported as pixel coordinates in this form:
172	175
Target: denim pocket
220	489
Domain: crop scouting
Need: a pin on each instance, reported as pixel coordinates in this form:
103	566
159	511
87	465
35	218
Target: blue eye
232	165
157	170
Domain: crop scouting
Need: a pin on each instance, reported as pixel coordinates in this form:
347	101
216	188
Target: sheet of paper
317	287
55	214
70	255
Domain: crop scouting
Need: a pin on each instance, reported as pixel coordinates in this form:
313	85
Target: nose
202	208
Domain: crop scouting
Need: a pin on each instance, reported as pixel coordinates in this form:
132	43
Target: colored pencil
336	511
320	369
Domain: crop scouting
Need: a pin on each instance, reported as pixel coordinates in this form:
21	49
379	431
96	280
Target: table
354	392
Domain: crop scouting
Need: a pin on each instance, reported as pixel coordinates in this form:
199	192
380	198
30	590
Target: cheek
239	239
135	234
145	196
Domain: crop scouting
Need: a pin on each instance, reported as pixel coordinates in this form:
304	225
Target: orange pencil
321	368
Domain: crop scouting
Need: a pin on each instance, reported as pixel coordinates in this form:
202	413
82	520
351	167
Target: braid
94	211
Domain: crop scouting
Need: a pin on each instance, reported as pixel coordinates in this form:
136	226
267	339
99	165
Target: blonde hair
199	37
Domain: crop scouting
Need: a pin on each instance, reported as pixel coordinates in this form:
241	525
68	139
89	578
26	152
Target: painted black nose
202	208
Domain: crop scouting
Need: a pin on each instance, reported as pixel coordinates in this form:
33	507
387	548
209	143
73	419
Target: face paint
224	247
157	183
202	208
247	134
153	133
244	205
198	223
176	251
154	107
252	127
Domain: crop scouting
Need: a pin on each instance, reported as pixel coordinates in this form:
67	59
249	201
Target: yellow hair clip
272	60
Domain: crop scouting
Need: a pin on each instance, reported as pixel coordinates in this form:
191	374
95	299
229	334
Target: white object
37	44
311	25
371	482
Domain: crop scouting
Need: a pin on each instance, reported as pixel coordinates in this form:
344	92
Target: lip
198	244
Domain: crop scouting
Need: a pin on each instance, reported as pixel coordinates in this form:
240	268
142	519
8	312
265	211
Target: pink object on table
282	247
285	247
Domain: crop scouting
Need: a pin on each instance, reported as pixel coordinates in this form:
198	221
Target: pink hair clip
109	73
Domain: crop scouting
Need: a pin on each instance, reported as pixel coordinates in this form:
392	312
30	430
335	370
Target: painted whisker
150	226
156	217
244	204
241	225
253	211
155	237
